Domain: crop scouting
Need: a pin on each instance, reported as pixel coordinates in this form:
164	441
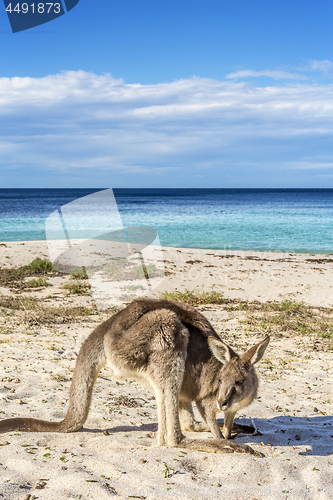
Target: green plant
143	271
167	471
115	266
37	282
16	303
303	327
42	315
326	335
79	274
39	264
58	377
77	288
134	287
195	298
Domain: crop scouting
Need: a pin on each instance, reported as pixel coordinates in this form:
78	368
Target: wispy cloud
78	124
321	66
309	165
324	67
276	74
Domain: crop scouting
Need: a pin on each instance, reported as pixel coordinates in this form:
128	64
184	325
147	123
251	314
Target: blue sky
170	94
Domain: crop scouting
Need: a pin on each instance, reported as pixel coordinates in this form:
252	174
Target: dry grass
38	265
41	315
79	274
291	317
15	278
122	400
124	269
31	312
37	282
16	303
280	318
77	288
286	317
194	298
58	377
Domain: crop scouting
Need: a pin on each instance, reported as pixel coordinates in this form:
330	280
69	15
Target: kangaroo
174	349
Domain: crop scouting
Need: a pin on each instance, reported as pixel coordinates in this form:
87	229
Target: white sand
293	413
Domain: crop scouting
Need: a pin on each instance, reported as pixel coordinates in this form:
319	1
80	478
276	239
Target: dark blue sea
287	220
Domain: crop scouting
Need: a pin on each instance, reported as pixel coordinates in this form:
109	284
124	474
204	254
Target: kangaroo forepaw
196	427
238	428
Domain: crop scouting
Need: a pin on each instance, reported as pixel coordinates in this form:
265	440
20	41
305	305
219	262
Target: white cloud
324	66
275	74
79	122
309	165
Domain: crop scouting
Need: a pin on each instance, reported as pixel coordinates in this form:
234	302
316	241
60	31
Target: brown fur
175	350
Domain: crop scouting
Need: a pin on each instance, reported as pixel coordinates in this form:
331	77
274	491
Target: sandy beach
114	455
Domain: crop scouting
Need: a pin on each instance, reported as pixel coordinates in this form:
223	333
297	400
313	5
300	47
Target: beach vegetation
327	335
28	310
287	307
146	271
37	282
280	318
58	377
133	288
123	269
288	317
16	303
115	266
38	264
77	288
42	315
303	328
167	471
16	278
79	274
194	298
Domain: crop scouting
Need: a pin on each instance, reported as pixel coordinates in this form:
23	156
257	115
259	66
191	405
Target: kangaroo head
238	381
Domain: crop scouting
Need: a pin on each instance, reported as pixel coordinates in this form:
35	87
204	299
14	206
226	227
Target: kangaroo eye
238	382
219	380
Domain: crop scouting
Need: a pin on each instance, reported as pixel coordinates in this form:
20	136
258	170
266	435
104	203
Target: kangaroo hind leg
167	382
166	371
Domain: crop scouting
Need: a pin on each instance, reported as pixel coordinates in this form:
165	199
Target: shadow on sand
316	433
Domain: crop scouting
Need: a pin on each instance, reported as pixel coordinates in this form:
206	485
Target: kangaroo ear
255	353
221	351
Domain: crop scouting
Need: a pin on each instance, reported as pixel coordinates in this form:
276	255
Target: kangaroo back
187	314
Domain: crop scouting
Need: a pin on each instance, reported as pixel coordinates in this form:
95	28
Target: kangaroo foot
215	446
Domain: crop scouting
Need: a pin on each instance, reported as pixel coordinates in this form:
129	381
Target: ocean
280	220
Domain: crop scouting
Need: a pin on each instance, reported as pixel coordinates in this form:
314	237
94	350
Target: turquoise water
295	220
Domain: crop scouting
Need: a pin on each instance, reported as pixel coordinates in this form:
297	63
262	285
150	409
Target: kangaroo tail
90	360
